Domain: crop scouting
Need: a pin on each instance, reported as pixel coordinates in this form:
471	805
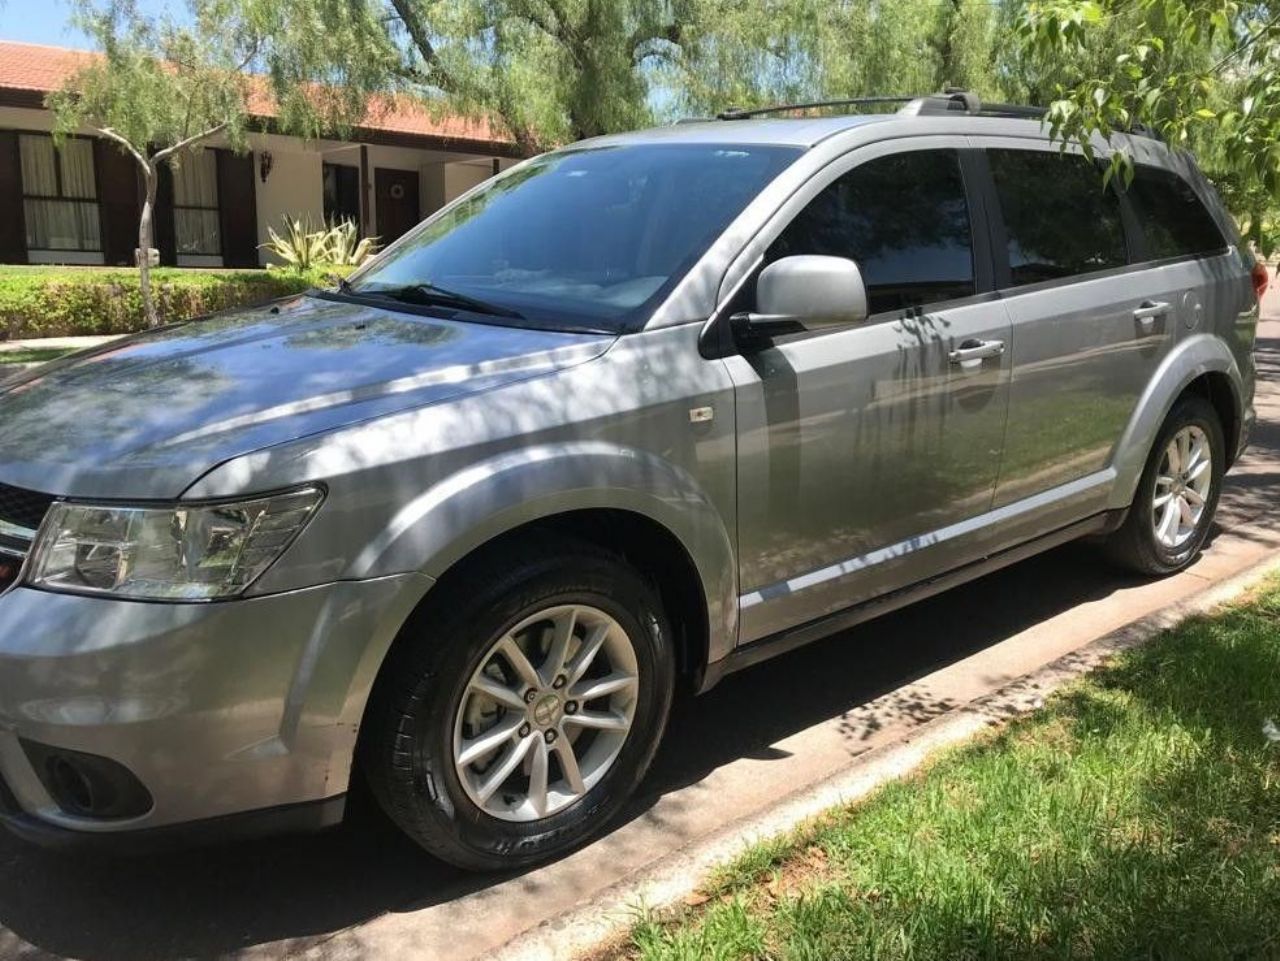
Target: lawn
1136	816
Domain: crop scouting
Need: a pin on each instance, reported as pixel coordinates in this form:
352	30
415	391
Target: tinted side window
1059	219
903	219
1173	218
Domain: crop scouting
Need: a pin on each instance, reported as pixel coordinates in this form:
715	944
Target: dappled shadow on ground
216	901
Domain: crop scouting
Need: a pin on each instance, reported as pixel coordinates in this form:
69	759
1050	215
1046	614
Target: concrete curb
591	926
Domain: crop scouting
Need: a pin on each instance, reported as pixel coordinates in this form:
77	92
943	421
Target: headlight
184	552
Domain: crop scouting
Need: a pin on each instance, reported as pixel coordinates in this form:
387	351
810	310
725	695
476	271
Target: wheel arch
1200	364
633	503
640	541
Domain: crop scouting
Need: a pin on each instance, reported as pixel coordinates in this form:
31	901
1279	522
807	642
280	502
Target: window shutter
237	209
118	196
13	230
162	219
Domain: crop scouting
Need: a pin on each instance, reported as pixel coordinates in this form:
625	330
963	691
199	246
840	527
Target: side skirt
790	639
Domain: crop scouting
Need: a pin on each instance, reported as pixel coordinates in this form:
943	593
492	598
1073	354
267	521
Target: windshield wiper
428	293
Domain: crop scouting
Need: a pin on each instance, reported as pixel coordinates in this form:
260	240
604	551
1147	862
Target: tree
550	70
162	89
1203	73
803	50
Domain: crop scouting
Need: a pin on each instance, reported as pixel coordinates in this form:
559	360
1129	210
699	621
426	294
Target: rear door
1090	325
865	453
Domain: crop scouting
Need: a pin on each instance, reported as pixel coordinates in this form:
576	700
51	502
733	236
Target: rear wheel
1177	496
512	724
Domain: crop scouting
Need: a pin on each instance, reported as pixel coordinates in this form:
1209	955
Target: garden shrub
72	301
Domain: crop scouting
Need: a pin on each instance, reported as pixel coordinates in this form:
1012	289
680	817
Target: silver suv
631	415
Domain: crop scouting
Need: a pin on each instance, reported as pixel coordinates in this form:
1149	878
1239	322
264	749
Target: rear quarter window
1174	219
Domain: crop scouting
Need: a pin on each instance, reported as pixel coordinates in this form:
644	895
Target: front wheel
1177	496
510	725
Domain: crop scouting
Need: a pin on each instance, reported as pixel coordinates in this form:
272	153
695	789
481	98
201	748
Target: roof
784	131
29	71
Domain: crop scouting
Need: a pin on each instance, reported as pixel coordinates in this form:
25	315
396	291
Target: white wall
294	188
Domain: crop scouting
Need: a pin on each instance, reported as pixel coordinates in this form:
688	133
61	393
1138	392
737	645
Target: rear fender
1192	358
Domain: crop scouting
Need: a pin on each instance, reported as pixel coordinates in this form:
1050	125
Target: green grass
33	355
1136	816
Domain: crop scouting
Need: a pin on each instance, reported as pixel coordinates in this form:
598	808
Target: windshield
585	239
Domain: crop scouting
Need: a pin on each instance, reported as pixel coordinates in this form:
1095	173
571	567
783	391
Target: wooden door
396	202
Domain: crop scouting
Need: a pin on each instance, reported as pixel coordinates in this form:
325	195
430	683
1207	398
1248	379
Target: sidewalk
17	356
53	343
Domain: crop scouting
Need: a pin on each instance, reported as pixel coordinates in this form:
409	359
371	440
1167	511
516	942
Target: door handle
1147	313
977	350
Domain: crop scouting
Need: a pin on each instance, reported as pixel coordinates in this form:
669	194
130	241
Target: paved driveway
762	734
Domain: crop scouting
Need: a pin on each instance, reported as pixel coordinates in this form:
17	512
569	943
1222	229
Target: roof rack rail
739	113
951	100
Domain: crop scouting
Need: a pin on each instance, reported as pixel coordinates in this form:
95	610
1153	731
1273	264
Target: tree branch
181	145
422	40
123	142
249	57
559	30
670	32
1244	45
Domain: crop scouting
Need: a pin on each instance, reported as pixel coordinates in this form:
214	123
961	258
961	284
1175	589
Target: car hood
145	416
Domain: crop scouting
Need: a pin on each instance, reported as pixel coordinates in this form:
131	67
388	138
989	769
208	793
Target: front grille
23	507
21	512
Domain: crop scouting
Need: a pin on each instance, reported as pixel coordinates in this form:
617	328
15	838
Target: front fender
1191	358
453	517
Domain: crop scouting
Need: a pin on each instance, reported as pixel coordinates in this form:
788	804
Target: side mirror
808	292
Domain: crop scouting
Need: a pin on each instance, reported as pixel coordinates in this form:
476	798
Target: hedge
69	301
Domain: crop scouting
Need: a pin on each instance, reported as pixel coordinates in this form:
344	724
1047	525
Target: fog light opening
87	785
73	789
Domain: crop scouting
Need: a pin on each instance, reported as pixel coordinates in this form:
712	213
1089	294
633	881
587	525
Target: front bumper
233	715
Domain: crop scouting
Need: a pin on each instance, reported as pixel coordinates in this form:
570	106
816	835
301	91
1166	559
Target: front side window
904	219
587	239
1174	219
195	204
1060	219
59	194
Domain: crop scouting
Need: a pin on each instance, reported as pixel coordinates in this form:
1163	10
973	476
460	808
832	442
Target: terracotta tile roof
33	66
38	69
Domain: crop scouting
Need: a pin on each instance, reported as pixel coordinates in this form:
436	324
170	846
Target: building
80	204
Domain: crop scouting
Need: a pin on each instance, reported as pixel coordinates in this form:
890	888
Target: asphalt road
762	734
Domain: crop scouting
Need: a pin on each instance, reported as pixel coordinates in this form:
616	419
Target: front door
395	201
866	452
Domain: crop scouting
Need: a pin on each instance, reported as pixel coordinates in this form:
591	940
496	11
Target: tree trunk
145	234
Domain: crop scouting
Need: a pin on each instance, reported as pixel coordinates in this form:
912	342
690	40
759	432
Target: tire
1138	544
426	710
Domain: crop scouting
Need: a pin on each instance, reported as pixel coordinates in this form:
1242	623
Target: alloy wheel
1182	486
545	715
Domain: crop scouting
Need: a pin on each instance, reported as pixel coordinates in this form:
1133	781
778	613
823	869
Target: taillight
1260	278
